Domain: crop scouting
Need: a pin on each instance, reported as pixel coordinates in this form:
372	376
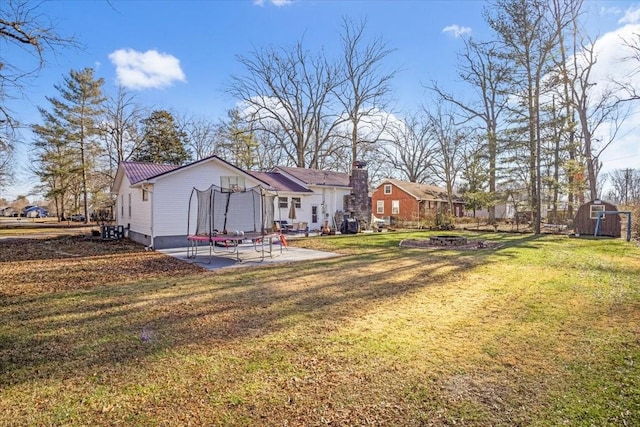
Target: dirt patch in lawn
33	266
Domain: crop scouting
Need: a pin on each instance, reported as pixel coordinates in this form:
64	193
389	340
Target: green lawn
542	331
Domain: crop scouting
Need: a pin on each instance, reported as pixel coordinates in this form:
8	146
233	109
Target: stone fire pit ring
448	240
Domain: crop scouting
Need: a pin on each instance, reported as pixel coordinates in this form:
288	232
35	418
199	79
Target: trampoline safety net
214	211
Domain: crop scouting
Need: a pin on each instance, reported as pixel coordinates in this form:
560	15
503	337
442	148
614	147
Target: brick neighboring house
409	201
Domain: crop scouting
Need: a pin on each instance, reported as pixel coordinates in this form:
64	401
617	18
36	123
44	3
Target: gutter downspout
145	188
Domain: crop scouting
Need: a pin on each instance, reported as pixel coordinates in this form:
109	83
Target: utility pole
627	178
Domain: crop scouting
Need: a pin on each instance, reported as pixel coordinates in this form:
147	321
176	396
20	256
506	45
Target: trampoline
224	218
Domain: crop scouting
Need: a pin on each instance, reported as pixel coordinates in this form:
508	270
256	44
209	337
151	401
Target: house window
145	195
122	206
380	207
232	184
387	189
395	207
129	205
283	202
314	214
297	201
594	209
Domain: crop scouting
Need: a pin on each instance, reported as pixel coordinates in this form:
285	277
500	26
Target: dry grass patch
381	336
34	266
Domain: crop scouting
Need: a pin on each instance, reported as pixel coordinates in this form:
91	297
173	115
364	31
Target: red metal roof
279	182
139	171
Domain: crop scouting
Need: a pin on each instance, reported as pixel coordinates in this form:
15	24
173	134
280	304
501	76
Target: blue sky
180	55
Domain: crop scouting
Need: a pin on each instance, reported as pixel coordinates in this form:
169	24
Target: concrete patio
248	255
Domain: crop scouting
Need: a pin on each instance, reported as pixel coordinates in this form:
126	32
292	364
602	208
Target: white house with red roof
152	200
315	194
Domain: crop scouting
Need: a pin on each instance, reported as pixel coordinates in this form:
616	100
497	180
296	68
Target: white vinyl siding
171	196
139	218
168	197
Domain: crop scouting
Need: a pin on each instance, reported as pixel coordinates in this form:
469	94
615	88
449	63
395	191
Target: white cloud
631	16
610	10
456	30
277	3
146	70
612	65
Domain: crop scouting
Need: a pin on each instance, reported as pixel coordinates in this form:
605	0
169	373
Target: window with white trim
387	189
380	207
594	209
297	201
283	202
129	205
395	207
145	195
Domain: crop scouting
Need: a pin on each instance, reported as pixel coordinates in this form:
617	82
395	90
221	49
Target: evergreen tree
475	171
55	162
71	127
162	141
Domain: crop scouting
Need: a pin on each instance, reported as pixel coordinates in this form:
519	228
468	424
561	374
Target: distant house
504	209
410	201
152	200
7	211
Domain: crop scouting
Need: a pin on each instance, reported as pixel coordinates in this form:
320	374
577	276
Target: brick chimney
358	203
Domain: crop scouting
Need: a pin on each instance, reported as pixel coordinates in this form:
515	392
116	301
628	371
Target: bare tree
121	129
450	140
410	149
286	93
200	135
625	185
22	29
487	72
366	84
595	106
629	89
6	156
